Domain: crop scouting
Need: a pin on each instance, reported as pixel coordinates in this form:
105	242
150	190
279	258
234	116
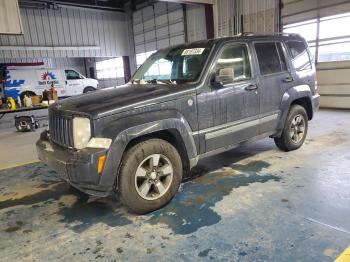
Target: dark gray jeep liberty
184	103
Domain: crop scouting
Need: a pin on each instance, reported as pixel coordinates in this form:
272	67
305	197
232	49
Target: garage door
157	26
325	25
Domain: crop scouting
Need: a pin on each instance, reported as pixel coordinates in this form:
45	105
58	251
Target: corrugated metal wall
195	22
258	16
72	32
158	26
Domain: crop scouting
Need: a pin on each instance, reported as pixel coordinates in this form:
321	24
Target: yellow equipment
11	104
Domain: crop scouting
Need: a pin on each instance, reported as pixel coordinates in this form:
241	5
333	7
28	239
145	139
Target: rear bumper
315	102
78	168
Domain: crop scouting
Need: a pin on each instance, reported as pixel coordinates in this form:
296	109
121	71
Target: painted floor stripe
345	256
18	164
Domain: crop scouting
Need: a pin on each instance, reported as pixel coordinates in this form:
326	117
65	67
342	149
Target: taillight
315	85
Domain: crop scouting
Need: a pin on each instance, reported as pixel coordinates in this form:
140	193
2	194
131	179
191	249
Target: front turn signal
100	164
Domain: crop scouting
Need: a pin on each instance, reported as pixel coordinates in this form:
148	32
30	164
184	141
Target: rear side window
300	56
270	57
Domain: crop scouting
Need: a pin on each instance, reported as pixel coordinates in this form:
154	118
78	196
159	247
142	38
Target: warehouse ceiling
116	5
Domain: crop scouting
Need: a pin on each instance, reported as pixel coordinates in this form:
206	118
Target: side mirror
226	75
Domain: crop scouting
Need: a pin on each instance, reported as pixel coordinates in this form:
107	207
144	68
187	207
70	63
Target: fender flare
292	94
117	149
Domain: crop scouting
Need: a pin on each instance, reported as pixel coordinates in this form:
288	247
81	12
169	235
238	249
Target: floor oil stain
54	193
14	228
192	209
84	214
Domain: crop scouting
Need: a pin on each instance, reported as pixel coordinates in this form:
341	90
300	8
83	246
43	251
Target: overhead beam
209	2
47	48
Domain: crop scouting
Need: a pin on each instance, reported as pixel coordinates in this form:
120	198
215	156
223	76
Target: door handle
251	87
288	79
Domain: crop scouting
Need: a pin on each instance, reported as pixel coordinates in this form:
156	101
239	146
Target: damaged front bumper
77	167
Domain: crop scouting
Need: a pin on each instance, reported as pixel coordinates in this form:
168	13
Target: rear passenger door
274	79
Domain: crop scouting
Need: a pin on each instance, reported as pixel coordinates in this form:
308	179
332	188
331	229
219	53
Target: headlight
81	132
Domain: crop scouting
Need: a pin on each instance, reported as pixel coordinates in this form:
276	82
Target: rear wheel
150	175
295	129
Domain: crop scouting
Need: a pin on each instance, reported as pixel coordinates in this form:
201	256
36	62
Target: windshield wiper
135	81
161	81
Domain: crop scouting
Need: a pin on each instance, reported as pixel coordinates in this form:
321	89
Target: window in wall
140	58
333	39
111	68
300	56
307	29
233	64
269	58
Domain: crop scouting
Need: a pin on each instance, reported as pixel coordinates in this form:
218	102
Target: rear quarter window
300	57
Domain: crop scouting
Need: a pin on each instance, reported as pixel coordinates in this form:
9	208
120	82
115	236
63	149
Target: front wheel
295	129
150	175
89	89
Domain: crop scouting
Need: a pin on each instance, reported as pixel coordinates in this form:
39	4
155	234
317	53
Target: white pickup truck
67	82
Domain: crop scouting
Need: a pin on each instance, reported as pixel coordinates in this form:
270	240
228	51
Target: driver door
228	112
74	83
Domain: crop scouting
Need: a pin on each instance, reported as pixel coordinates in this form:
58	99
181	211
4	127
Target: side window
72	75
300	56
233	64
270	57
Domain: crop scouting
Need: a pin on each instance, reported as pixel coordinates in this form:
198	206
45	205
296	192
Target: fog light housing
98	142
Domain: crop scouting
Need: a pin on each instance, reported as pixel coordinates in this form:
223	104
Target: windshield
173	66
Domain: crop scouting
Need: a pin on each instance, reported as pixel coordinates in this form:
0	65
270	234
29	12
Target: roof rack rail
266	34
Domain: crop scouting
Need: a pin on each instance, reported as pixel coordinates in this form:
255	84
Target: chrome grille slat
61	129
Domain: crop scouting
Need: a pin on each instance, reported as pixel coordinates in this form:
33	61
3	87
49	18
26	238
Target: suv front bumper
78	168
315	102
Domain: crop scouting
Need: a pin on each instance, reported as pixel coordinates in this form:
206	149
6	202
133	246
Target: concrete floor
254	203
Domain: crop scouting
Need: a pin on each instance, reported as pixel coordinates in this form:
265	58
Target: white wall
10	21
333	80
68	32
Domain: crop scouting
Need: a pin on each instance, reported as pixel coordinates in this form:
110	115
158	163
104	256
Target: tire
294	131
149	191
89	89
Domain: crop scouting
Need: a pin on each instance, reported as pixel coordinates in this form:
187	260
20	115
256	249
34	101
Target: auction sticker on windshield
193	51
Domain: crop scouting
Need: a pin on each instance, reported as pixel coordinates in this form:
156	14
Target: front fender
292	94
120	143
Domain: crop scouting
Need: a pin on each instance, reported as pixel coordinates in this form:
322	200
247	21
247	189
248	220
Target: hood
109	101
